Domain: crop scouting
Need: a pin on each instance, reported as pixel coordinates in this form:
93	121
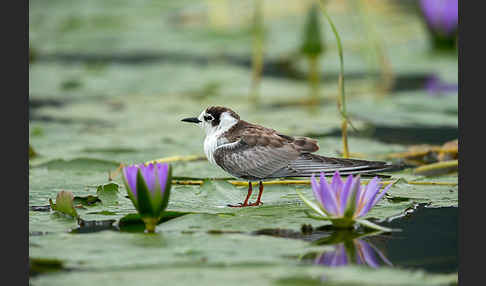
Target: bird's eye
208	117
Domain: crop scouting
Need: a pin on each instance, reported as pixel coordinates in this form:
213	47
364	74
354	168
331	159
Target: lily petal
354	193
346	191
369	197
162	171
312	205
337	183
148	173
130	175
316	190
383	192
329	199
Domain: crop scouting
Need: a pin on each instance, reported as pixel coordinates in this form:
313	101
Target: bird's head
215	118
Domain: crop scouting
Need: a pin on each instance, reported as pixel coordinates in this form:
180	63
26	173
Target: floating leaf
437	169
90	226
134	222
88	200
426	154
40	208
108	193
103	213
87	164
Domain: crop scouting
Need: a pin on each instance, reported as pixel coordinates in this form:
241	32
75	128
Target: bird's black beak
191	119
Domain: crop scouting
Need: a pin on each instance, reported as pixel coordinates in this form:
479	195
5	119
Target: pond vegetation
110	81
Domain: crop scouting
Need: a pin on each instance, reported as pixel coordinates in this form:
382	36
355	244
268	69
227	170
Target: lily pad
108	193
134	222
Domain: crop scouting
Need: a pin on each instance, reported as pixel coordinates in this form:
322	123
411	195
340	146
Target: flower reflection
435	86
357	251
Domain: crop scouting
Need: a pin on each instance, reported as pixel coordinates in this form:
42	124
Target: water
427	241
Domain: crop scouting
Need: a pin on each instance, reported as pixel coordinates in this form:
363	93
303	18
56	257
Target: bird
256	153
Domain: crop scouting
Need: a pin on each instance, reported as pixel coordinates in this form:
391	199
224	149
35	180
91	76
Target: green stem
342	97
150	224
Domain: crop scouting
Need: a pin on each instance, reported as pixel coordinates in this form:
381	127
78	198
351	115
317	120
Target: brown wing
256	152
257	135
253	161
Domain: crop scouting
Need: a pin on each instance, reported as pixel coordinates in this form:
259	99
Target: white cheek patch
212	140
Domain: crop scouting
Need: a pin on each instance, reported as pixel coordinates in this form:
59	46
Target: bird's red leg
258	201
245	203
250	189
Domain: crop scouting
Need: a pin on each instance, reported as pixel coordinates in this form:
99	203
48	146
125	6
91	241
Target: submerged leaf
44	265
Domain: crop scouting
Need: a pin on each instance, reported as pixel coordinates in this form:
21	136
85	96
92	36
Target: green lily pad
79	164
108	193
134	222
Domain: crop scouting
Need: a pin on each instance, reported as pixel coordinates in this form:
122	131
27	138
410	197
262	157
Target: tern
255	153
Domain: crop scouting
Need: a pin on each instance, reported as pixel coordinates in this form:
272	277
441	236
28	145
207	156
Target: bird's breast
210	145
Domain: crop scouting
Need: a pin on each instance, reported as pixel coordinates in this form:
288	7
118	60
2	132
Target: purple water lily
349	198
148	187
149	175
441	15
364	253
345	202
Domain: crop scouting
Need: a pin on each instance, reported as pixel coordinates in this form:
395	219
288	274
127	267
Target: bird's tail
308	164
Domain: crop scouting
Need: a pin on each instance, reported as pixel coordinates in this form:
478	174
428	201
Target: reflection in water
356	251
436	252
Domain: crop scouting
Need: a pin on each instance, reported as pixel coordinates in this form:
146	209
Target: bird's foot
255	204
242	205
